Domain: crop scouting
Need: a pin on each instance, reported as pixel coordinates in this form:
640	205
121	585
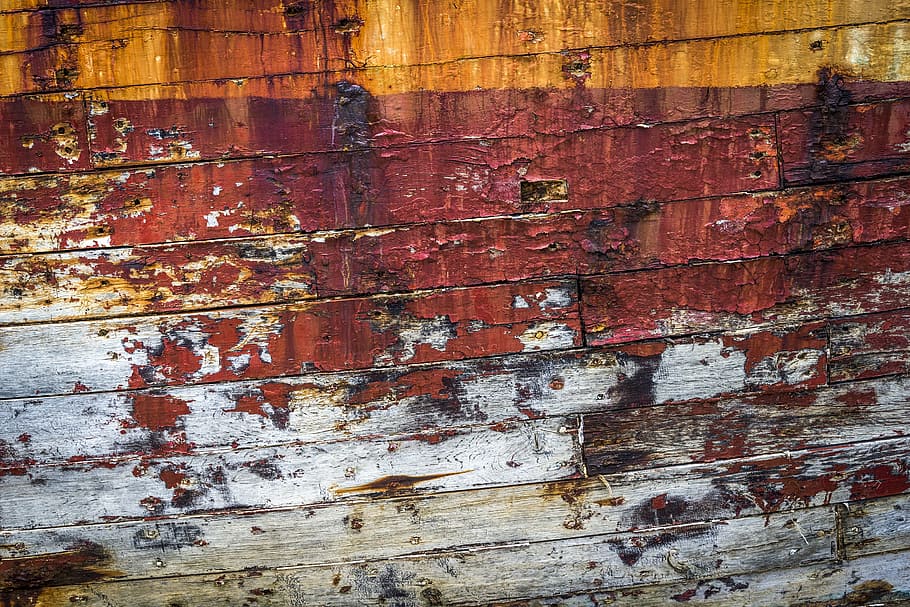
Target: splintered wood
421	303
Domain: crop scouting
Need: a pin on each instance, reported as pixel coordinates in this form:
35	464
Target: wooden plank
190	129
649	499
288	339
593	563
728	61
641	236
870	346
141	280
43	133
458	180
874	526
405	399
12	6
113	208
674	301
514	248
439	31
750	425
283	476
877	580
158	53
297	112
88	21
289	114
843	141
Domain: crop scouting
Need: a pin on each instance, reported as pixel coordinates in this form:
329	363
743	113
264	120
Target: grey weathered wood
729	428
401	524
875	580
879	525
378	402
464	577
274	477
870	345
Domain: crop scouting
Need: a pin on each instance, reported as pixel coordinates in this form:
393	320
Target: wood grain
847	281
735	60
698	550
326	335
278	477
870	346
493	392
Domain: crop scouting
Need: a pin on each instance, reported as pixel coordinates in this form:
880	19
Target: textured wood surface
409	304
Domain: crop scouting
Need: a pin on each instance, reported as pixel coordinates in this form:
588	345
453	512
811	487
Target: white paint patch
893	278
556	298
791	367
435	333
519	303
698	370
216	190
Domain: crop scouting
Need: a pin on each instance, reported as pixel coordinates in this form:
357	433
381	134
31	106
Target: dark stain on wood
394	484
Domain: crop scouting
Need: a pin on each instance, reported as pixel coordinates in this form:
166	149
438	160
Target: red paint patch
158	412
879	481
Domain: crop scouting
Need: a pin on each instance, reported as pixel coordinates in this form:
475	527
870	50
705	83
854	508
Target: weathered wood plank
288	339
457	180
290	114
851	280
425	522
297	112
876	580
43	133
639	236
401	400
87	21
729	61
736	154
140	280
870	346
729	428
276	477
13	6
879	525
438	31
674	301
112	208
843	141
594	563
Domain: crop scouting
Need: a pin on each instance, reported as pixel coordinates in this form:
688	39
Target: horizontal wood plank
435	31
289	339
848	281
736	60
296	112
492	392
138	280
843	141
702	550
870	346
876	580
874	526
277	477
729	428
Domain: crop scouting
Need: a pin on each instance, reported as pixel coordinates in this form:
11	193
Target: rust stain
23	578
395	483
